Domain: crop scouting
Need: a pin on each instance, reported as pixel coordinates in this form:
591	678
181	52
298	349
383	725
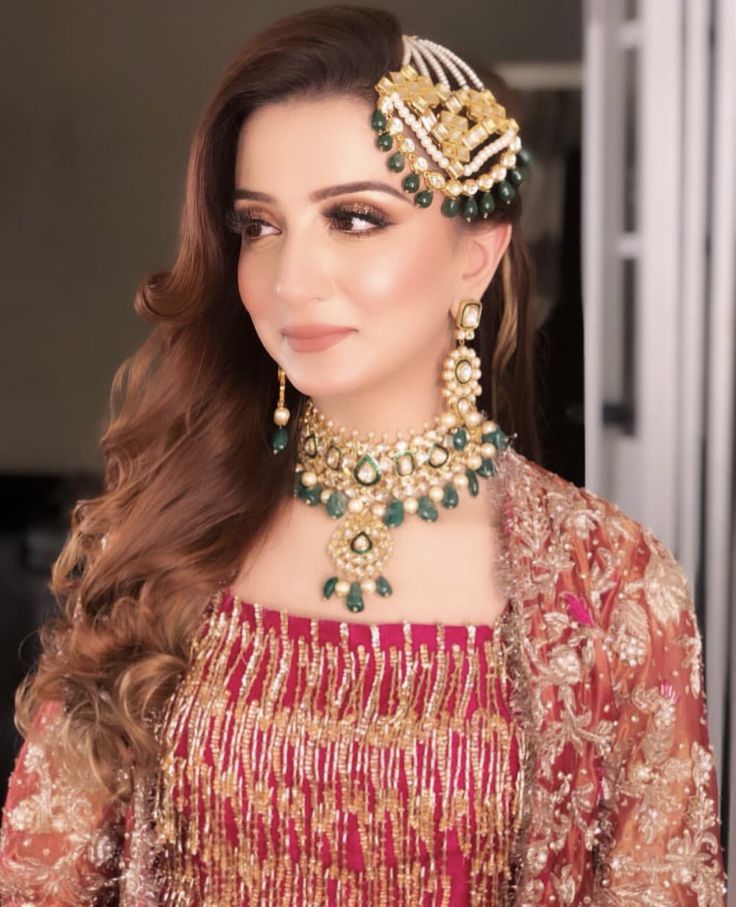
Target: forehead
311	141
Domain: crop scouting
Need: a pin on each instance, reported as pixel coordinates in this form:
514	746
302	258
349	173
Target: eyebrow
328	192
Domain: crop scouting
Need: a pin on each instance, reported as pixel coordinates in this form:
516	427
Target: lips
311	331
310	338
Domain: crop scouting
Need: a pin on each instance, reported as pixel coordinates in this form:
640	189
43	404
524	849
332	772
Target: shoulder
591	546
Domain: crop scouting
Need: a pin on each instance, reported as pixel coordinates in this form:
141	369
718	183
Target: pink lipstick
313	337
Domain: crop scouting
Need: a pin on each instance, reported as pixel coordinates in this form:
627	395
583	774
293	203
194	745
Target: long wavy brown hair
190	480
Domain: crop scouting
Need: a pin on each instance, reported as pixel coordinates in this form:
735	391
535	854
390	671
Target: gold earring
280	437
461	374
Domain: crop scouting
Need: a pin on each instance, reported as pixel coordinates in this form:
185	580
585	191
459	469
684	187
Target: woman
519	717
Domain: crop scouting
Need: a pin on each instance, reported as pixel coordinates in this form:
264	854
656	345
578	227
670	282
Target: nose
301	273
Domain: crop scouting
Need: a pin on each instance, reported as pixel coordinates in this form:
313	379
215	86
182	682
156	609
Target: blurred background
630	211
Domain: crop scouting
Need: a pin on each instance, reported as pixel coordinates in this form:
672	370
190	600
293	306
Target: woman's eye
357	219
352	220
248	226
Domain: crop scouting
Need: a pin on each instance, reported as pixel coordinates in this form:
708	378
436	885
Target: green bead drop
279	439
423	199
470	210
523	157
426	509
329	587
378	121
337	504
450	207
410	183
472	481
459	439
385	141
451	496
383	586
394	514
487	204
355	597
505	192
486	468
311	495
396	162
514	176
498	438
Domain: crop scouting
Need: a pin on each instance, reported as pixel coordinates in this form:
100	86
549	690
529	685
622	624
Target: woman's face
319	247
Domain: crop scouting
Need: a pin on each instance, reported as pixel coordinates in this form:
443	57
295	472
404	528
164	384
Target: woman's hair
191	483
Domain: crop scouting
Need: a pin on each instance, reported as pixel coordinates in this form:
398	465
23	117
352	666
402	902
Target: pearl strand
449	58
423	55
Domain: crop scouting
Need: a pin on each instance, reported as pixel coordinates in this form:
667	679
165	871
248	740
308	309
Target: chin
324	378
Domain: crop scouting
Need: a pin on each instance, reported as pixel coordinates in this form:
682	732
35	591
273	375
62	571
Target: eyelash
239	220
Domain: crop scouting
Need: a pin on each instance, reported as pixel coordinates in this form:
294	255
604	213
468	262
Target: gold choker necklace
370	486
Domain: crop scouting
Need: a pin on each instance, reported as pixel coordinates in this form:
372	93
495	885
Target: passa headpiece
469	148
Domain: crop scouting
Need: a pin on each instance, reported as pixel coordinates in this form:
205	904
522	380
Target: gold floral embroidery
54	848
612	660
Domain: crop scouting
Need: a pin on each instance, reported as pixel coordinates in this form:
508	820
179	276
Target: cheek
253	284
396	275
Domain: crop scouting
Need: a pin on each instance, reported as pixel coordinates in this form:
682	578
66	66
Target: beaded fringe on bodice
311	761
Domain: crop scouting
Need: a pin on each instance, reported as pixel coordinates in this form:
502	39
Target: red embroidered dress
336	762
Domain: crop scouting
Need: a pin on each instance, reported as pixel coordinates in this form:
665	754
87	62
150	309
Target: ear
481	253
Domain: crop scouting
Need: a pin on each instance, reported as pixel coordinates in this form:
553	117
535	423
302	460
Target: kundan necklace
371	487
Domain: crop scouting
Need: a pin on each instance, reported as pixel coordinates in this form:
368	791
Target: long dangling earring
280	437
461	375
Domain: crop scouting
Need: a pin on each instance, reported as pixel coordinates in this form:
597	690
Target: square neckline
292	619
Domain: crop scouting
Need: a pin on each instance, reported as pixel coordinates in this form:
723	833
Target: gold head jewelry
469	148
370	486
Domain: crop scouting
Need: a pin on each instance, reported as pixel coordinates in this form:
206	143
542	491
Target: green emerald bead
394	514
378	121
423	199
472	481
279	439
396	162
486	468
505	192
514	176
459	439
470	209
311	495
297	485
451	496
411	182
450	207
355	597
498	438
383	586
385	141
426	509
337	504
329	587
523	157
487	204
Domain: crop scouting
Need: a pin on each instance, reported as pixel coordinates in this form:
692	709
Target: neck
410	403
